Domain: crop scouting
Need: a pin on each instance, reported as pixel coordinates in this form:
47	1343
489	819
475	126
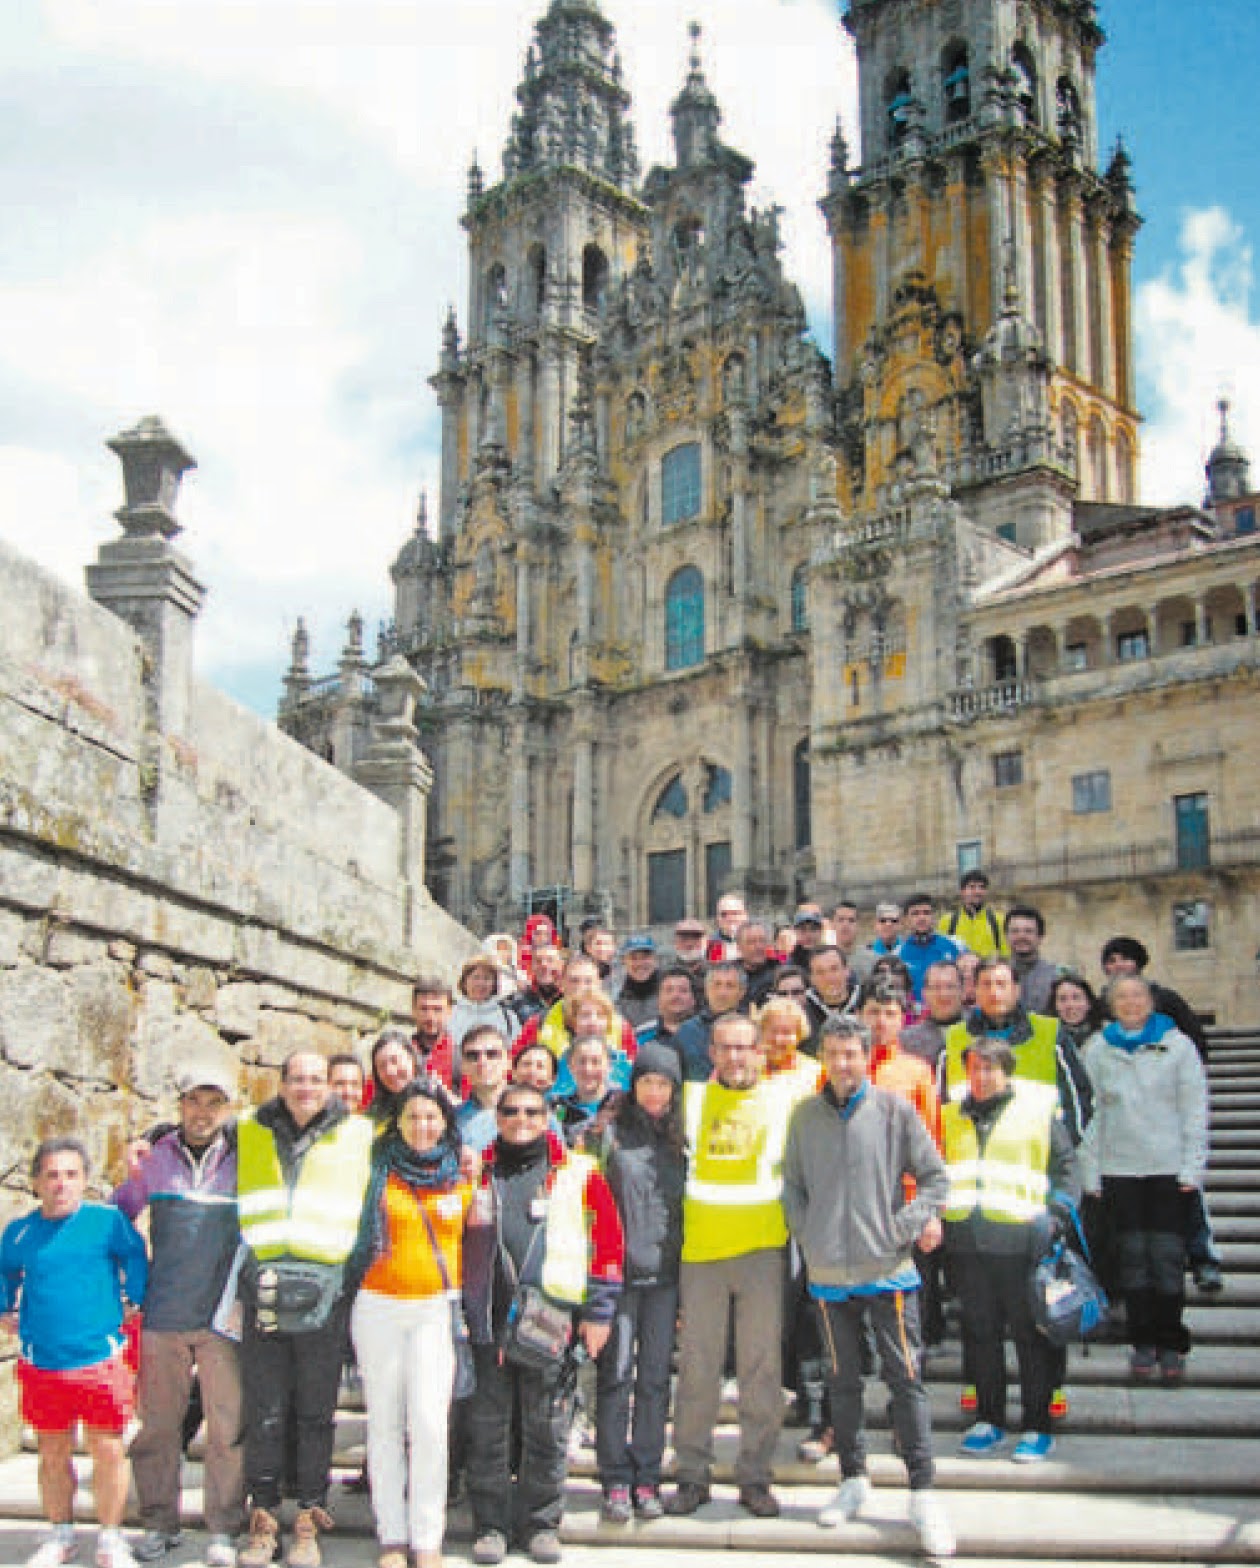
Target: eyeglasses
483	1056
517	1112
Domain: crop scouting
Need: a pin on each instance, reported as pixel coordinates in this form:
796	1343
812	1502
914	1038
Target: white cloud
1197	342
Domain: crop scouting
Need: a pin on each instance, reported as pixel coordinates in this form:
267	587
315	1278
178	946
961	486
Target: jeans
635	1365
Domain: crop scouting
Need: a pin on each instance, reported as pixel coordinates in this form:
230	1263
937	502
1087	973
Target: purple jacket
193	1229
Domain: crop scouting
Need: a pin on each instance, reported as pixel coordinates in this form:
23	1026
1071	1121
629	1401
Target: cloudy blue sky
242	214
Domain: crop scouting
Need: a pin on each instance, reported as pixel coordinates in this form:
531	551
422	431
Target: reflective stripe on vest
1036	1060
318	1218
566	1246
1008	1183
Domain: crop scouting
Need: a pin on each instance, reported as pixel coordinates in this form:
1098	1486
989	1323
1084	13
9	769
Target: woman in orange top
410	1257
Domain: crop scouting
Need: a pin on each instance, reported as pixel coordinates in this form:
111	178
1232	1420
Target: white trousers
407	1362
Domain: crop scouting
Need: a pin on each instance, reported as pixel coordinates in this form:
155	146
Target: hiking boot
544	1547
688	1496
489	1548
304	1550
262	1544
759	1500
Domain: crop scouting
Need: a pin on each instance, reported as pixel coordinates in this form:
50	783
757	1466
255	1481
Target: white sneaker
936	1536
849	1498
58	1547
220	1552
112	1551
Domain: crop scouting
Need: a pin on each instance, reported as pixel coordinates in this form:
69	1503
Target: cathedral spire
574	111
695	112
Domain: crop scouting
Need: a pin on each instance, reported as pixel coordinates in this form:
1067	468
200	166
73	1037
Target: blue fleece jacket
68	1278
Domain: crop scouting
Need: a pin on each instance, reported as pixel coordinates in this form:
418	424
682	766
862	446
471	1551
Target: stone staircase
1140	1474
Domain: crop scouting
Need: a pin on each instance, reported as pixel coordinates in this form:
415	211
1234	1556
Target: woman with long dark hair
643	1159
1075	1004
409	1256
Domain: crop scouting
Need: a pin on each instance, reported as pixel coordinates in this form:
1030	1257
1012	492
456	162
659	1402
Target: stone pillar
1105	336
1249	608
395	769
143	579
584	798
525	454
549	412
741	786
1079	357
1202	624
520	877
1051	276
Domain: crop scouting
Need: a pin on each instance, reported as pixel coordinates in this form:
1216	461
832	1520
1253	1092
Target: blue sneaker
981	1439
1032	1448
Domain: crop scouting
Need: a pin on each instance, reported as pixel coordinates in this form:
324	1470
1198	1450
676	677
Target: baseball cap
208	1075
640	942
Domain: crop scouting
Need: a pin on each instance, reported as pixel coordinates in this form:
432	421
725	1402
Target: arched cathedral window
684	619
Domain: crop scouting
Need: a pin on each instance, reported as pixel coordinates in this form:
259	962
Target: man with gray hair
856	1238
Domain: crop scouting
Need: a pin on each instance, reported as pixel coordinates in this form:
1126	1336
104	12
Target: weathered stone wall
215	892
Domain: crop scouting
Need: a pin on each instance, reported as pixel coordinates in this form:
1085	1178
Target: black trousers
545	1413
993	1295
892	1316
1147	1218
291	1383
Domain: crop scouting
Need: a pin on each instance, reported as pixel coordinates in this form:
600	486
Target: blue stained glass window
672	801
717	787
684	619
680	484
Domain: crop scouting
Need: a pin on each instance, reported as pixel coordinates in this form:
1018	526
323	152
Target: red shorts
102	1396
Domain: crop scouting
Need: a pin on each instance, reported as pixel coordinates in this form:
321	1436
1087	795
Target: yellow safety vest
317	1219
553	1032
733	1200
566	1245
1035	1059
1009	1182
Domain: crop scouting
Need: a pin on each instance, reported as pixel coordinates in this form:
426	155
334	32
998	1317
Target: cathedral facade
703	608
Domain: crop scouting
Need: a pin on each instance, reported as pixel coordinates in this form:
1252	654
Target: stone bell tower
981	260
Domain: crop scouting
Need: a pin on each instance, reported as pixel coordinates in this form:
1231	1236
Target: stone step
1224	1138
637	1548
1241	1204
1221	1366
1006	1527
1215	1320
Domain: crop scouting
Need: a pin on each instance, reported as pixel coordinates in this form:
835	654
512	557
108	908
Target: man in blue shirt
66	1271
923	945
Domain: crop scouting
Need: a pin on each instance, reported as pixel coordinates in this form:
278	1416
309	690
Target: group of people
620	1174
